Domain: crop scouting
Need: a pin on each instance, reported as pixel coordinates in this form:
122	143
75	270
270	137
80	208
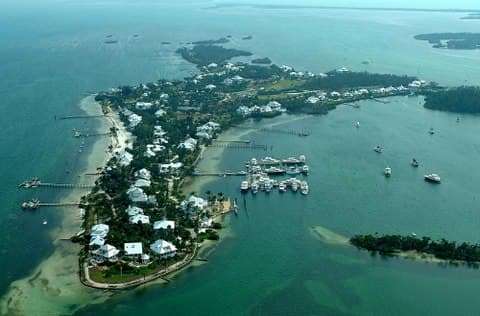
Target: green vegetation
459	100
452	40
263	61
203	55
442	249
222	40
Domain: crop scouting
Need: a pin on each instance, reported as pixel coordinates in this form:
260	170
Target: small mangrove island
451	40
262	61
458	99
397	245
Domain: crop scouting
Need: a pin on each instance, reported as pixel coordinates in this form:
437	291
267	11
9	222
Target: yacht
275	171
431	131
253	161
270	161
357	124
254	187
293	171
378	149
294	184
433	177
282	187
291	161
304	187
268	185
388	172
302	158
305	170
414	163
244	186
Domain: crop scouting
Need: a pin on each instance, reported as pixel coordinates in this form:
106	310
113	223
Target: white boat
254	187
291	161
302	158
294	185
244	186
388	172
274	171
270	161
253	161
304	187
357	124
431	131
305	169
378	149
433	177
268	185
282	187
293	171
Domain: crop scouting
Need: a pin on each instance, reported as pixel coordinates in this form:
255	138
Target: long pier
292	132
35	203
78	134
35	183
70	117
220	174
240	146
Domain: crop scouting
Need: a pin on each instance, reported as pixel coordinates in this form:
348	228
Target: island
138	224
471	16
248	37
457	99
451	40
221	40
419	248
203	55
262	61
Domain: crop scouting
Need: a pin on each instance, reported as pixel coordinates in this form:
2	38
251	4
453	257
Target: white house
97	241
343	69
134	120
136	194
160	113
133	248
312	100
163	249
164	224
143	174
133	210
139	219
125	159
210	87
143	105
106	252
189	144
170	167
99	230
275	106
195	202
142	183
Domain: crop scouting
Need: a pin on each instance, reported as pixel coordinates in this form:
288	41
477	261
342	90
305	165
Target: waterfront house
134	120
163	249
133	248
173	167
99	230
194	202
139	219
189	144
106	252
125	159
136	194
275	106
164	224
96	241
312	100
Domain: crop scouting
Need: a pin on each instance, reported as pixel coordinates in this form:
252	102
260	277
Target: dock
79	134
220	174
239	146
35	203
35	183
293	132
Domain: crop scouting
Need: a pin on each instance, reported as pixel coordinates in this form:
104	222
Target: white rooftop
133	248
164	224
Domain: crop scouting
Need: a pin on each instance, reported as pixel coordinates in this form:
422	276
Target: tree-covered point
451	40
441	249
262	61
460	99
347	80
221	40
203	55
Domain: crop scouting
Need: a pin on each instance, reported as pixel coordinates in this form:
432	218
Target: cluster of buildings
270	107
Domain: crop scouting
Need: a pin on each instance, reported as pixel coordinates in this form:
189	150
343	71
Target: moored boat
254	187
414	163
305	170
433	177
378	149
388	172
304	187
282	187
293	171
244	186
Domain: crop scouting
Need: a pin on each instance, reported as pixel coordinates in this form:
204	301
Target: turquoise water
272	264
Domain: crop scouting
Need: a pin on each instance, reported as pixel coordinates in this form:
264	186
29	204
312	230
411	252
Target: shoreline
56	277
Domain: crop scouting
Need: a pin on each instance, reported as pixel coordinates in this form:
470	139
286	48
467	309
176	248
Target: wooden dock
220	174
293	132
35	183
35	203
70	117
239	146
